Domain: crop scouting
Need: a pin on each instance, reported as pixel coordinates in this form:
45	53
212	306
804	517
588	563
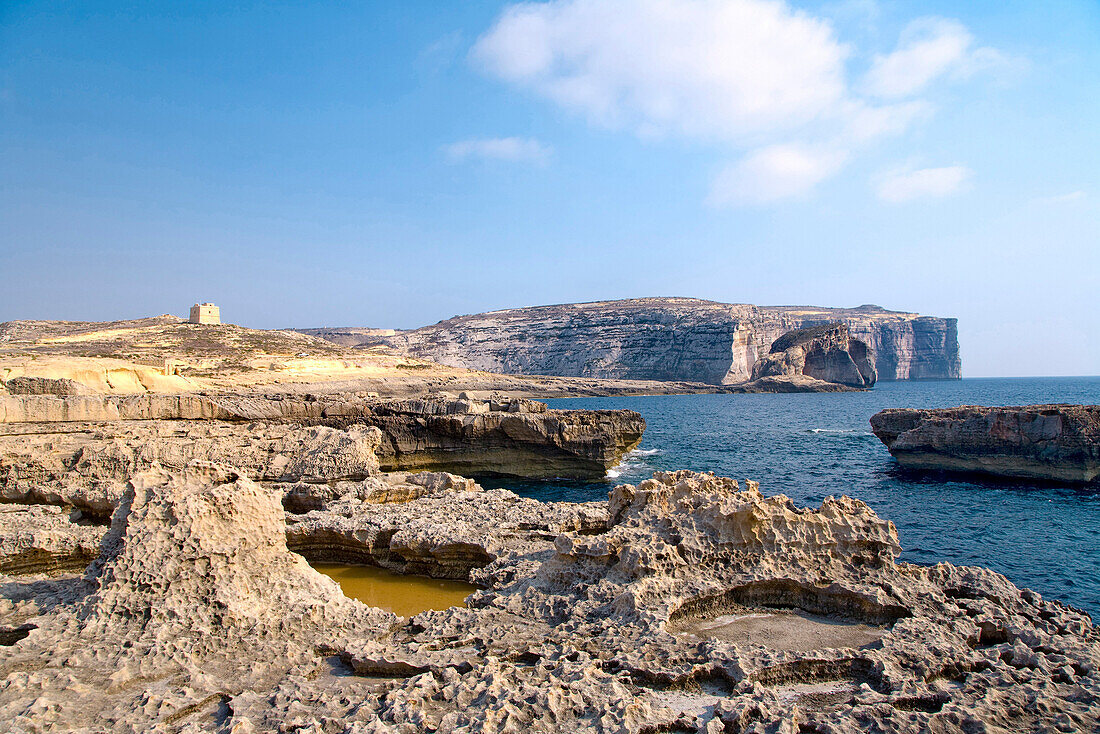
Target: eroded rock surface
87	466
685	603
1055	442
825	353
193	599
46	539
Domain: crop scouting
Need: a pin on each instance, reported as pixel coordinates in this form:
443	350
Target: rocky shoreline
688	602
685	603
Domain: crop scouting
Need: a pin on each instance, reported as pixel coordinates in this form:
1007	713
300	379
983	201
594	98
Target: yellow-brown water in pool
402	595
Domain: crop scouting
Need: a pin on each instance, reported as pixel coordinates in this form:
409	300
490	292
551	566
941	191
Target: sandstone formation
685	603
1055	442
825	353
671	339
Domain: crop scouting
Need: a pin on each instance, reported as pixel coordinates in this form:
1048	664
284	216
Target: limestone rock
302	497
88	467
1055	442
46	386
193	598
673	339
466	437
45	539
687	602
789	384
512	437
825	353
451	528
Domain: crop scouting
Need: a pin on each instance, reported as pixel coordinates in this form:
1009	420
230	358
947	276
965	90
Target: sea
1044	536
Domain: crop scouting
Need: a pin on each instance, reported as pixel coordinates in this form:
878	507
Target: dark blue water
1042	536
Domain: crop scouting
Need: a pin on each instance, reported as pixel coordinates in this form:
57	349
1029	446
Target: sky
395	164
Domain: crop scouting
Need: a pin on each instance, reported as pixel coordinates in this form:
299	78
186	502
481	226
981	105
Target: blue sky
394	164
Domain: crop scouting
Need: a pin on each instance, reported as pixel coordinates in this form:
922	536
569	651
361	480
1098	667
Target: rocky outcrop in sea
672	339
1054	442
823	353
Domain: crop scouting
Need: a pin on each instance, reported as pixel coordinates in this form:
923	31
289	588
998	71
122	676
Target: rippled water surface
1043	536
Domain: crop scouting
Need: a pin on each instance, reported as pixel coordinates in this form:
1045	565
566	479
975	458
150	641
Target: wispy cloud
1068	198
773	173
514	150
929	48
764	81
901	186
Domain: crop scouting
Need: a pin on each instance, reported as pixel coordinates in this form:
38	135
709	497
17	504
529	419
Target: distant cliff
671	339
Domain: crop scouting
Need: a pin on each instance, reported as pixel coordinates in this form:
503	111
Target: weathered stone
685	602
1055	442
46	386
87	466
825	353
45	539
464	437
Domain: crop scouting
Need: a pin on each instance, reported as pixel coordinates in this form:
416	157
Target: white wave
633	462
839	432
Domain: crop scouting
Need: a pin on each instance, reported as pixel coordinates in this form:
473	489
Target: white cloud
772	174
515	150
928	48
757	77
900	186
713	69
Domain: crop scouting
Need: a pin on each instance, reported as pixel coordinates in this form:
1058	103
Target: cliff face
673	339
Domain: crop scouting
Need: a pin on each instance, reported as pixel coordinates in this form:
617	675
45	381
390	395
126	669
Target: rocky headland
1052	442
155	551
666	339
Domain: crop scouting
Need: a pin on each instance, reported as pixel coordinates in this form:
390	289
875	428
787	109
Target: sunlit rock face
674	339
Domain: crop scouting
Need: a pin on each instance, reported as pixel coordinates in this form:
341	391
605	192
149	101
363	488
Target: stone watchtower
205	313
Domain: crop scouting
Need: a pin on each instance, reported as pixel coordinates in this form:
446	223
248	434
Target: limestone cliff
673	339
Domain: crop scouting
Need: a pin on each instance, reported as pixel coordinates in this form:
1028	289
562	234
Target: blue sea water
807	446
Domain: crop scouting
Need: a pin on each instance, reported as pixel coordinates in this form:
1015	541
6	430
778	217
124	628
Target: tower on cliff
205	313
